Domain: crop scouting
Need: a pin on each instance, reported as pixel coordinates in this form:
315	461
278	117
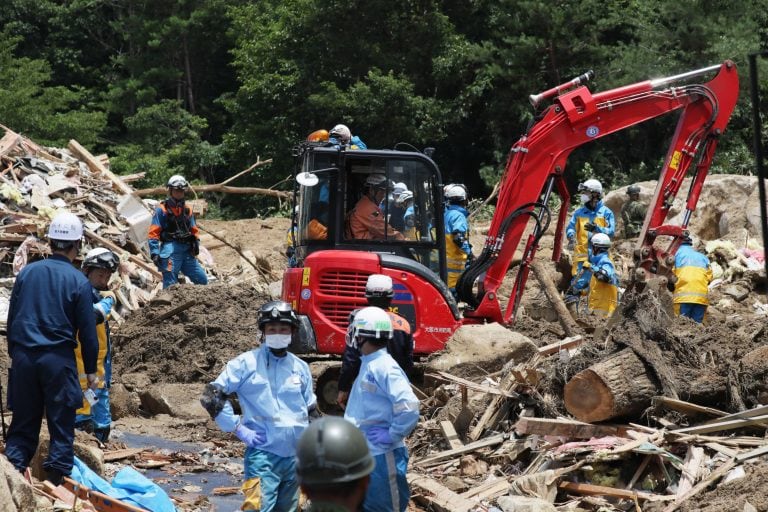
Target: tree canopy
205	87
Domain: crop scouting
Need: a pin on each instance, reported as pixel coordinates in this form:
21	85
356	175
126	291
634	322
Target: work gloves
602	275
194	246
379	436
93	380
590	226
571	244
251	438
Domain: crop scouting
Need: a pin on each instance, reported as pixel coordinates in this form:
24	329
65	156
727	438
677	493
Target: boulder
489	346
136	381
16	494
177	400
123	403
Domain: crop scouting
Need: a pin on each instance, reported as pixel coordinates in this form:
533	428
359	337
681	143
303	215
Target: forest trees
204	87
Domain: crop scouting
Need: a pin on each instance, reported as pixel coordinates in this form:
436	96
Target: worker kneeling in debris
599	276
333	465
51	301
379	292
382	405
592	218
173	237
274	388
98	266
458	251
690	284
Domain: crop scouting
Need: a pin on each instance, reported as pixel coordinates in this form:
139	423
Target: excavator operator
366	220
594	217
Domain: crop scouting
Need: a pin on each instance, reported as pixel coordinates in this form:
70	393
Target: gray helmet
277	311
332	451
633	189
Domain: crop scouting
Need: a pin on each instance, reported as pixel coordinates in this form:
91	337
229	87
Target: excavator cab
333	256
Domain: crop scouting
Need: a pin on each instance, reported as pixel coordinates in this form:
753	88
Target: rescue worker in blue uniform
98	266
458	250
382	405
690	285
379	292
593	217
173	237
274	388
599	276
50	302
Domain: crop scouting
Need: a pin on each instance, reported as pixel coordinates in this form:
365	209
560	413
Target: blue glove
379	436
251	438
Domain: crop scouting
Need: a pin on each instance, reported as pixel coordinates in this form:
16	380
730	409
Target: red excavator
330	269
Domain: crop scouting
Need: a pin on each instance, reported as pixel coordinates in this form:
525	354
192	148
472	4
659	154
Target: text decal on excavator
674	163
305	277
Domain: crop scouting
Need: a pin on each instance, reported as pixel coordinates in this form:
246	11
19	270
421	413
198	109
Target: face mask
277	341
585	198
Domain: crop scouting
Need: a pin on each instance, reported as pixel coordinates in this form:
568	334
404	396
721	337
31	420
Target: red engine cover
332	284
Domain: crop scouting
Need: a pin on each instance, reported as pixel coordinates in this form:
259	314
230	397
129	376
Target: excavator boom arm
536	165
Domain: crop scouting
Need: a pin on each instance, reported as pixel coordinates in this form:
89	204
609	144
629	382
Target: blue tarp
128	485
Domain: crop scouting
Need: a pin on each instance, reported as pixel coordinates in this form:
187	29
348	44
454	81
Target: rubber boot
86	426
102	434
54	476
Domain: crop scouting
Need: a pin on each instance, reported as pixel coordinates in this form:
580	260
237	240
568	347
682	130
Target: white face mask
277	341
585	198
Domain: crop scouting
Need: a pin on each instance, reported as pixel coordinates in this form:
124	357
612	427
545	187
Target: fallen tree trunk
550	290
620	385
225	189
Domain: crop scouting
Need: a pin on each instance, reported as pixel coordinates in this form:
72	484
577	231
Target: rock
524	504
177	400
123	403
739	293
136	381
86	449
489	346
16	494
276	290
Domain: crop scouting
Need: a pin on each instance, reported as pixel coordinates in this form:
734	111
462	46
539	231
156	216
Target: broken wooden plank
225	491
687	407
440	498
611	492
445	376
100	501
97	167
567	428
694	459
553	295
757	411
488	490
172	312
566	344
125	453
484	443
720	426
450	434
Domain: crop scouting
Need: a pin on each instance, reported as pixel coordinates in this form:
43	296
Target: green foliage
205	87
48	113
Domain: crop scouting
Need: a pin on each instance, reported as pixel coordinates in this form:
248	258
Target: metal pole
758	144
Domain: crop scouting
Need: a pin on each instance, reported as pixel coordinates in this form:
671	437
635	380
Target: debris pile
36	182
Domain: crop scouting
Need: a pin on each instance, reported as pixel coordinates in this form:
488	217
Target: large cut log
620	385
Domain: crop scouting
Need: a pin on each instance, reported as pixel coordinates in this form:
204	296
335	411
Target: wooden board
484	443
101	502
450	435
567	428
439	497
566	344
611	492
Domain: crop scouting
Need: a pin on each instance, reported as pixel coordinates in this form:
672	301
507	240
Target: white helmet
177	181
379	285
101	257
372	323
455	191
399	188
65	226
600	241
405	196
591	185
342	133
376	180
